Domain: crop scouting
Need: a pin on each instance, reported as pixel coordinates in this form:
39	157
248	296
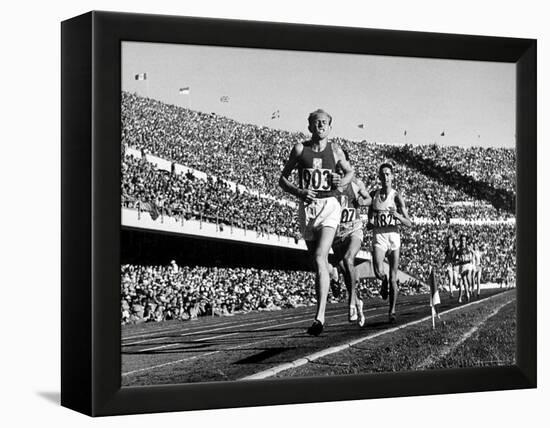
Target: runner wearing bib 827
386	212
319	211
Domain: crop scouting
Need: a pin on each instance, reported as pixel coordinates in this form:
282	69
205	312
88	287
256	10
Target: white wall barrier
204	229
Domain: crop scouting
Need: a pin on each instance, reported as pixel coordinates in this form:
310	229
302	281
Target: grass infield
479	335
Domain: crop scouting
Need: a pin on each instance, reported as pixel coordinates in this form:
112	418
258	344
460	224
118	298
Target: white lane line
450	348
170	345
271	338
334	349
168	363
204	355
151	335
203	339
210	330
253	320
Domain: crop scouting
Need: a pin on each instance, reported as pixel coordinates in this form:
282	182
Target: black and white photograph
164	166
303	214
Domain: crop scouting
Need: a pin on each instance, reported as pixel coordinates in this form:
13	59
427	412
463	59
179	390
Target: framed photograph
257	213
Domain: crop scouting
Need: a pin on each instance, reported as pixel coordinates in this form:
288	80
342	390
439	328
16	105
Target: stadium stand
449	190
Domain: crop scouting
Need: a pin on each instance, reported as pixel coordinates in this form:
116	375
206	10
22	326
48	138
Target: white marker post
434	296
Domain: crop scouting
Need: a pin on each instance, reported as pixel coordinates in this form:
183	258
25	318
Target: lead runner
319	210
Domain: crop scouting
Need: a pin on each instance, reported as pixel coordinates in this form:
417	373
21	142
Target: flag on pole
361	125
434	296
141	76
185	91
224	99
275	115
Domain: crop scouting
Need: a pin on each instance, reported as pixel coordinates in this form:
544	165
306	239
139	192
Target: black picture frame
91	88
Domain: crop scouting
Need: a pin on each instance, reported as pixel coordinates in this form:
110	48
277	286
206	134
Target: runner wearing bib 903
315	172
319	210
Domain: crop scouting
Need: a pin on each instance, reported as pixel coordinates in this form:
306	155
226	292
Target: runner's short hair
385	165
319	112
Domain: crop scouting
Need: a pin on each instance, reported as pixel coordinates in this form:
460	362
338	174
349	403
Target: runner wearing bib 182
388	209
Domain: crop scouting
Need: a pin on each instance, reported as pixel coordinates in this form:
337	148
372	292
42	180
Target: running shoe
361	321
384	289
352	316
315	329
392	319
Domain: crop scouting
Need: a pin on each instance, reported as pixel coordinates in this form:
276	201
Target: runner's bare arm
401	213
364	196
284	182
340	158
370	226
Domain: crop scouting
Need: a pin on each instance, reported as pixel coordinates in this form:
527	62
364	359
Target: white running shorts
387	241
324	212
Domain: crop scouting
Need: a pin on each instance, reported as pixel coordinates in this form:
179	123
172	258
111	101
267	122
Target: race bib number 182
316	179
384	218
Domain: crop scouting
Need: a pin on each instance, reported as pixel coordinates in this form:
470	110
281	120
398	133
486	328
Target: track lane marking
169	345
224	327
334	349
199	331
230	348
272	338
254	320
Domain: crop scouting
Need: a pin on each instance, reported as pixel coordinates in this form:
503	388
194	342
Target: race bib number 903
316	179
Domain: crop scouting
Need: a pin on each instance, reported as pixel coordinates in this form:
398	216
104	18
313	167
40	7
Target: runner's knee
349	261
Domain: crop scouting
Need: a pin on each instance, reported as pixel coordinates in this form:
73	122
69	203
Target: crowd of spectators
162	293
157	293
144	185
253	156
245	154
491	165
488	180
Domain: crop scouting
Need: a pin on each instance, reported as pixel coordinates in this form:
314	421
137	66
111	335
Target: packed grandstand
231	178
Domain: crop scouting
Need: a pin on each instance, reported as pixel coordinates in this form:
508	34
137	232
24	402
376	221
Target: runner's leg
320	251
393	258
350	275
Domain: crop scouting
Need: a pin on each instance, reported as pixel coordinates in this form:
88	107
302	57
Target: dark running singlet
315	170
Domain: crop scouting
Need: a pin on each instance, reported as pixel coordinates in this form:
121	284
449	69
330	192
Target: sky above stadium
375	98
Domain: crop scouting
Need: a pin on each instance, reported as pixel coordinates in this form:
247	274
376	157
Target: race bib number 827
316	179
